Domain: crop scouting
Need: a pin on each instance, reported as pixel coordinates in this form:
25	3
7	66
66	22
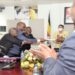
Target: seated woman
28	34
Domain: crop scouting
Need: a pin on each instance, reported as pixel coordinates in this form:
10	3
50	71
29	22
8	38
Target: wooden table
15	71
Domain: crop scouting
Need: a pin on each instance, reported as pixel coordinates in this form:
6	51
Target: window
2	28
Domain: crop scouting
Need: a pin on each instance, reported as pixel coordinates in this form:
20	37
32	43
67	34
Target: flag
49	26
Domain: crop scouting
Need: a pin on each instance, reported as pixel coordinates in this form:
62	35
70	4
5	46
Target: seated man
28	34
6	43
21	29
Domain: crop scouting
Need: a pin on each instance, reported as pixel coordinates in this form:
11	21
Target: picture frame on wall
67	15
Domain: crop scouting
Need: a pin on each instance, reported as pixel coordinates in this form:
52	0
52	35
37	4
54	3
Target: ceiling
30	2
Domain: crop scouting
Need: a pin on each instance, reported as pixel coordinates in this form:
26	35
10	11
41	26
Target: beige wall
69	27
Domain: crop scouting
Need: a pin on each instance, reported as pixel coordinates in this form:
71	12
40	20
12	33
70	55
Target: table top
12	72
15	71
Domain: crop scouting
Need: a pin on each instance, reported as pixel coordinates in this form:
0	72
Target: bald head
21	26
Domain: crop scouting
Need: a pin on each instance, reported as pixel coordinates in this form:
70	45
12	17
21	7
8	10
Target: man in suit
64	62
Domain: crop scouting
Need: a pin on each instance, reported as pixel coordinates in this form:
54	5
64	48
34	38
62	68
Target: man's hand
59	39
45	52
26	42
41	40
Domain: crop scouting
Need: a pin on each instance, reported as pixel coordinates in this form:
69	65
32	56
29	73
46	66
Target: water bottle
22	55
36	70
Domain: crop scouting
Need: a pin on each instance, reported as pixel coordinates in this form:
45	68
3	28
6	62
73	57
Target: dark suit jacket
7	41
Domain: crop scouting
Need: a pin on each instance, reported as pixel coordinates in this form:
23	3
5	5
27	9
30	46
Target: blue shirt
22	37
16	48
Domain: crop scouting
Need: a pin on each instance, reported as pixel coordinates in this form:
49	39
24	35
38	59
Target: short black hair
61	26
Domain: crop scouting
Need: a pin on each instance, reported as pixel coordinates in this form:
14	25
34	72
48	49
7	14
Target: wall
56	15
37	27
